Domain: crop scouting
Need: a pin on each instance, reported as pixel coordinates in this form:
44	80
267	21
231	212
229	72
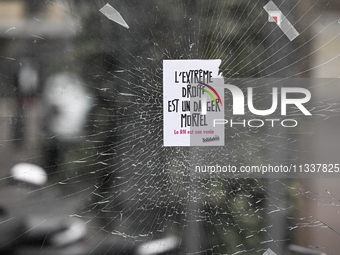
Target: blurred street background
68	85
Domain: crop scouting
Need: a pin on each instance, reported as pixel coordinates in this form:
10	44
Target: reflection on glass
82	97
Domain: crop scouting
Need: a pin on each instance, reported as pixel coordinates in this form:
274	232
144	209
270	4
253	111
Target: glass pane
179	127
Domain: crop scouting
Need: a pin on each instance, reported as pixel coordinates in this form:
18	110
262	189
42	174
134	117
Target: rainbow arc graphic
209	93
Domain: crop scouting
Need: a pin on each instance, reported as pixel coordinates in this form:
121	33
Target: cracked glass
92	161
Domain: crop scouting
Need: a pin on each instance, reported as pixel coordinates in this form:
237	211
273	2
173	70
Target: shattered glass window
88	165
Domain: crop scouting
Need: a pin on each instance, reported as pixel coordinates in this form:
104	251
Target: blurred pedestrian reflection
66	105
26	81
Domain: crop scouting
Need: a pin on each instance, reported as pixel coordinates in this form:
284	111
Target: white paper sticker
191	103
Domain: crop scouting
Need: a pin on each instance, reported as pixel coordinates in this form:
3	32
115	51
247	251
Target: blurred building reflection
36	41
